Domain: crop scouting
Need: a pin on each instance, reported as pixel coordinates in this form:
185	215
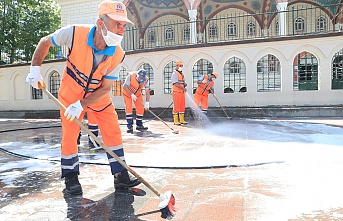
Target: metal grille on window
200	68
231	29
168	70
234	76
299	25
150	73
169	34
251	29
268	74
55	81
213	31
117	88
186	33
152	36
305	72
36	93
337	72
321	24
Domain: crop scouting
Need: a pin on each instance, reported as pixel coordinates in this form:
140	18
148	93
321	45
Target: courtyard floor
218	170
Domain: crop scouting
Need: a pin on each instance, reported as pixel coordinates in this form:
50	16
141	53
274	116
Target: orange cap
215	74
114	10
179	63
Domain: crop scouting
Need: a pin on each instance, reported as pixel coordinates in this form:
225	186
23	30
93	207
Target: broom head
167	206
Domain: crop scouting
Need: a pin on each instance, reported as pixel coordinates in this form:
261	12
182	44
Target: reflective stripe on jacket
80	77
204	88
134	86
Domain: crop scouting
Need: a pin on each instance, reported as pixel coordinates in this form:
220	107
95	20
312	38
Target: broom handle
84	128
156	116
219	103
154	113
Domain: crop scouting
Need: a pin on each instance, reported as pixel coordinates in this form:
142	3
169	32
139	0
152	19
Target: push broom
212	92
167	204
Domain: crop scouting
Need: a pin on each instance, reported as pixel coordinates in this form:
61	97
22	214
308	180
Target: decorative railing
298	20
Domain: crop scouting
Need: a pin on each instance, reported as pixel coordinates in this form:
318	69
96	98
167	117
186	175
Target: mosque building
267	52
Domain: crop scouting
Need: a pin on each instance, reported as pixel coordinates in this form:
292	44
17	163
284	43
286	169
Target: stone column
193	33
282	7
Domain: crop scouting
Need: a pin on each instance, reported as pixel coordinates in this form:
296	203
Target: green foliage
23	23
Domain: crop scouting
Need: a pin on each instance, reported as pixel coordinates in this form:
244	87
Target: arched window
150	73
251	29
277	28
299	25
168	70
321	24
231	29
186	33
337	71
234	76
200	68
305	72
213	31
169	34
152	36
117	88
55	81
268	74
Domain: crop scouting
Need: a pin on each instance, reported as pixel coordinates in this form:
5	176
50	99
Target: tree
24	23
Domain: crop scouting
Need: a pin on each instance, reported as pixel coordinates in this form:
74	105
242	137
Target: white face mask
179	69
111	38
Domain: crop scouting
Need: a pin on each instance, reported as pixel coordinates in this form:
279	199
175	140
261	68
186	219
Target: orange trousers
107	120
179	102
139	110
138	104
201	100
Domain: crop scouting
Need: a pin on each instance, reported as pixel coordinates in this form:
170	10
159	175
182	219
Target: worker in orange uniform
94	128
205	86
179	94
132	92
93	62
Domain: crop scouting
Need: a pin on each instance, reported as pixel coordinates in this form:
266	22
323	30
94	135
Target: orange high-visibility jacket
134	86
204	88
79	79
181	80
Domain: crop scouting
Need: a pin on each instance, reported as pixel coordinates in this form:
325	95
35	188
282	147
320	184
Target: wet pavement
217	169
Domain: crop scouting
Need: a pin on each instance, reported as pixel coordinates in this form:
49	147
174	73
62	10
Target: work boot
182	119
129	123
72	183
125	180
176	119
130	130
141	128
